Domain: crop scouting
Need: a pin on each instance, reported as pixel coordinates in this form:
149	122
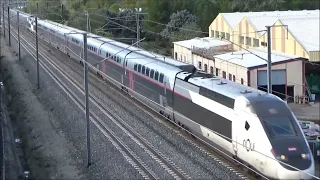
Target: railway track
139	161
171	169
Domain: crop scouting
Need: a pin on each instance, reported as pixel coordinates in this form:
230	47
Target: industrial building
295	51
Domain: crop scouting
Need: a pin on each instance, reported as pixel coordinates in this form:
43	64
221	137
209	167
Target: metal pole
87	21
62	11
85	54
37	49
269	60
37	7
9	26
138	30
47	5
19	35
4	25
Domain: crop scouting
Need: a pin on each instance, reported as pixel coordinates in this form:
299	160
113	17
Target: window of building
234	78
224	74
248	41
199	64
205	67
241	80
255	42
264	44
180	57
185	59
175	55
241	39
217	71
217	34
223	35
212	33
211	70
230	76
228	36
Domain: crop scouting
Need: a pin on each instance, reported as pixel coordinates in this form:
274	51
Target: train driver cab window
147	71
156	75
126	62
139	68
161	78
151	73
143	69
135	67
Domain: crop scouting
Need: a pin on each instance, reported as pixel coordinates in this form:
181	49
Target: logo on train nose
292	148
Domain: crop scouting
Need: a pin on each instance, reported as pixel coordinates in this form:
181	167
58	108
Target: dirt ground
43	149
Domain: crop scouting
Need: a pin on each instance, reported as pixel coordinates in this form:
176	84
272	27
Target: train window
161	78
107	54
147	71
135	67
156	75
139	68
279	126
151	73
143	69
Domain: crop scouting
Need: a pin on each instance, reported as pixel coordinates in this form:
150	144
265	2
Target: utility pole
85	55
18	18
9	26
138	28
62	12
88	22
4	25
37	7
47	6
269	64
37	51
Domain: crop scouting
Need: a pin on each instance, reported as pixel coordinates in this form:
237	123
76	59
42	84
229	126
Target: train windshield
276	118
279	126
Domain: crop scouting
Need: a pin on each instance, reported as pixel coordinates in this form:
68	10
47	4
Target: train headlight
283	157
305	156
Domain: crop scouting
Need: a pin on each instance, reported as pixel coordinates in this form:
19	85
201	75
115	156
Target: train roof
222	86
140	51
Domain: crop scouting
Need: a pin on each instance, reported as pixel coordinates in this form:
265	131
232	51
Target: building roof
305	31
206	42
233	19
248	60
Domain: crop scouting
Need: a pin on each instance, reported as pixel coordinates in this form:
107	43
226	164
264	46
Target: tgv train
254	127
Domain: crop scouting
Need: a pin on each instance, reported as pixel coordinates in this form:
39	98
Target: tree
182	25
122	24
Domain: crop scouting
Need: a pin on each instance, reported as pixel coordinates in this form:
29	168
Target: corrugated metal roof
305	31
260	22
248	60
206	42
233	19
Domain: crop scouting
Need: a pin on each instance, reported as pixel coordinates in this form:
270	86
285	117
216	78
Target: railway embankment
32	142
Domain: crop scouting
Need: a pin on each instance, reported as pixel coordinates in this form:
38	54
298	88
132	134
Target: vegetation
185	19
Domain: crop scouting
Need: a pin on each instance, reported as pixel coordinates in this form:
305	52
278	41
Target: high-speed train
254	127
